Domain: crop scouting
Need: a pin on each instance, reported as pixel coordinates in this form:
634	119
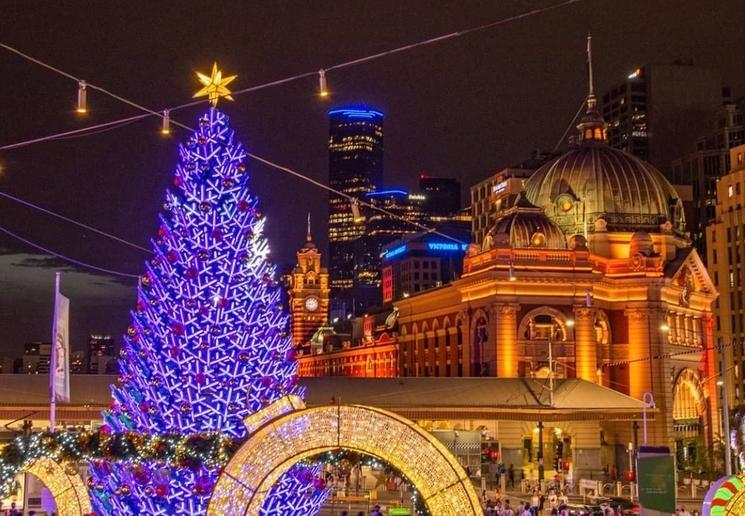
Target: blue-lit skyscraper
355	168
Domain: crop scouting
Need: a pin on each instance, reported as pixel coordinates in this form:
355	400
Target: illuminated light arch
726	497
275	445
64	483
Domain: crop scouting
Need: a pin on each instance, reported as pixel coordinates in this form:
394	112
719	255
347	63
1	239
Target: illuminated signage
394	252
446	246
500	187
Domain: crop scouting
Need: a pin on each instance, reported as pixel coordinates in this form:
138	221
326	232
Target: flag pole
53	361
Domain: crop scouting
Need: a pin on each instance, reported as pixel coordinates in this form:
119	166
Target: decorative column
709	366
639	347
506	340
585	343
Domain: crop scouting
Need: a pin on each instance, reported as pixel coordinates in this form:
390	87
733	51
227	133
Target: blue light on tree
208	343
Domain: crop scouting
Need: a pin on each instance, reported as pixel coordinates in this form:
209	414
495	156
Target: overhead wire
72	221
353	62
64	257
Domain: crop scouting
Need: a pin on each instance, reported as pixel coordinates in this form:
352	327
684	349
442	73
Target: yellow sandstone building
589	275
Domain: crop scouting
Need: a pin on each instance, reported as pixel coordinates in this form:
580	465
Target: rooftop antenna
308	237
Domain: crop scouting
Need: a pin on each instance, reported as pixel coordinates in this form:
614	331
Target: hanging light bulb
356	213
322	89
166	129
82	98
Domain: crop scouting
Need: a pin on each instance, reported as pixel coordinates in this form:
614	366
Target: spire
308	238
592	127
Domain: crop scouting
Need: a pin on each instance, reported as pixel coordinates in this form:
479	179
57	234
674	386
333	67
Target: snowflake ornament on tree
208	343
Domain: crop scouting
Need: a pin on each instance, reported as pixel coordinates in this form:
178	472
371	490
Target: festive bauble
227	182
177	328
243	205
217	234
191	272
204	345
174	351
177	181
199	378
266	381
242	167
290	355
203	254
161	490
185	408
205	206
172	256
203	485
125	489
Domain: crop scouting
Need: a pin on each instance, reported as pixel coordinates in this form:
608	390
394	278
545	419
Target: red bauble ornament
217	234
192	272
178	329
161	490
266	381
243	205
174	351
172	256
177	180
199	377
105	429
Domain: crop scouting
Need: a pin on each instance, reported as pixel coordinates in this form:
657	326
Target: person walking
535	502
511	475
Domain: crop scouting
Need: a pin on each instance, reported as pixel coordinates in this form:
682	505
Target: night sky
463	108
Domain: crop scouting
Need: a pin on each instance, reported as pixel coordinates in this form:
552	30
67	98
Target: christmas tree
208	343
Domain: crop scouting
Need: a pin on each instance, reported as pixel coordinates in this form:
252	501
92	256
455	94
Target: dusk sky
461	108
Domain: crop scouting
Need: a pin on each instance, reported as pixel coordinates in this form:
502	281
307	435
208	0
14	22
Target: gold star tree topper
215	86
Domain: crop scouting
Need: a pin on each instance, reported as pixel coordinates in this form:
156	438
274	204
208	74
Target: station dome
595	187
525	225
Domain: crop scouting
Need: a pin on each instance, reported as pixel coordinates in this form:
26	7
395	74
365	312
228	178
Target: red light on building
387	284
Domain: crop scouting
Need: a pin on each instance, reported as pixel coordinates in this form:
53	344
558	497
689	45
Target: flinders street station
583	310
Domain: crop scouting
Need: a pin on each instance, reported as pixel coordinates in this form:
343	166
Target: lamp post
539	455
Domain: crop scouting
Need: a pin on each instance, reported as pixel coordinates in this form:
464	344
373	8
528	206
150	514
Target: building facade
492	195
308	292
659	110
725	243
101	354
589	275
355	168
442	196
702	168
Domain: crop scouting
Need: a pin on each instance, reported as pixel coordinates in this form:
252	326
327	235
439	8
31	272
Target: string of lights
165	113
65	258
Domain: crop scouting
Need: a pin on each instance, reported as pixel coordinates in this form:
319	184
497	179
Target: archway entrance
64	483
287	432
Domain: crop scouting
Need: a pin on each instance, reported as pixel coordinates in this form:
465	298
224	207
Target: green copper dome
595	181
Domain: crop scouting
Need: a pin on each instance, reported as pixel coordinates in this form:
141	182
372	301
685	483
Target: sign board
399	511
656	477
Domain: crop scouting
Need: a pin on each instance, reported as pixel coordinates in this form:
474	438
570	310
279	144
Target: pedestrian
511	475
684	512
376	511
535	502
507	510
541	502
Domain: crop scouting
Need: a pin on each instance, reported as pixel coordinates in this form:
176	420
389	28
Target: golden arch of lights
287	432
64	483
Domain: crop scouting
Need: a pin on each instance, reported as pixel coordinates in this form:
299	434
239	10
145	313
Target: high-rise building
442	196
493	194
659	110
77	363
309	292
100	354
725	238
703	167
403	212
36	357
355	168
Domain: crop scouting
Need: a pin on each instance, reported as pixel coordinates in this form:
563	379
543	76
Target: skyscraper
703	167
355	168
100	354
442	195
659	110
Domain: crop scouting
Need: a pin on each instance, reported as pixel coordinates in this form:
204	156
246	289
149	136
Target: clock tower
309	292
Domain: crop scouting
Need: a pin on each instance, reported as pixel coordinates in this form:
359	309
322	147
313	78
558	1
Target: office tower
702	168
356	169
725	239
36	357
100	354
442	196
659	110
